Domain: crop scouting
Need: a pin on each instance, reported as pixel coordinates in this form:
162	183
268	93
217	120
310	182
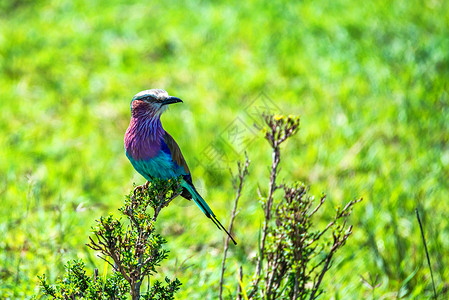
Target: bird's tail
204	207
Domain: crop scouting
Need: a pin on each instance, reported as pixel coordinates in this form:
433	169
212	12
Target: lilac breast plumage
143	138
147	151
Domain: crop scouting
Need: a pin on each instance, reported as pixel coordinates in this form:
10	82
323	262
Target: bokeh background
370	80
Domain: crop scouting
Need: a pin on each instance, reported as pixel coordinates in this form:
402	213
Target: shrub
134	251
293	254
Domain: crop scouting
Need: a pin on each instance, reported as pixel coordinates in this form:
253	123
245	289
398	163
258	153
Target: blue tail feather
198	199
204	206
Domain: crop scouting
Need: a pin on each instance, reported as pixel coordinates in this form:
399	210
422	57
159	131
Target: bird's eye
149	98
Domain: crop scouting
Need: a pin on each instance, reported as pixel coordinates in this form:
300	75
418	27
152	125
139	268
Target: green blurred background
370	80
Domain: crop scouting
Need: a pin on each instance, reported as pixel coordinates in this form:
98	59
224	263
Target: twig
427	253
337	243
242	172
239	286
343	213
323	198
268	206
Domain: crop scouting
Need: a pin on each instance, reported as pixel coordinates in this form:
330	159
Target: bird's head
153	102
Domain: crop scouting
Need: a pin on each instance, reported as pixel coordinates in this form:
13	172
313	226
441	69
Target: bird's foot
141	188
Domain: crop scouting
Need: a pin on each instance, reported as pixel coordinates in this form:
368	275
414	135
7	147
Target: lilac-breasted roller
154	153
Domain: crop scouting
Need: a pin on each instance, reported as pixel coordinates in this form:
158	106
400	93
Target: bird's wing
175	152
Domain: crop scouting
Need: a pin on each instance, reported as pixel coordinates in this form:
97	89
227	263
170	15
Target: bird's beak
171	100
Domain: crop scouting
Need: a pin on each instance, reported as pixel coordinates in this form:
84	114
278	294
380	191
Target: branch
338	242
242	172
343	213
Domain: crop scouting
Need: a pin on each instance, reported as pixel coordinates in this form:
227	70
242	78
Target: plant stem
427	253
243	171
272	188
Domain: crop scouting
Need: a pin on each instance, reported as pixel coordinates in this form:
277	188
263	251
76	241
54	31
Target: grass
369	80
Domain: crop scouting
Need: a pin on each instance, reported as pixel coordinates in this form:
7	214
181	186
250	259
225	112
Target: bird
154	153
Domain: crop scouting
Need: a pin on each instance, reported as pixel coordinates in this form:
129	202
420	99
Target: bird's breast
143	141
140	148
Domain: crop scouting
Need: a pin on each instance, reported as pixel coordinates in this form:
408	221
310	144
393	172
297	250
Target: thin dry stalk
242	172
277	133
